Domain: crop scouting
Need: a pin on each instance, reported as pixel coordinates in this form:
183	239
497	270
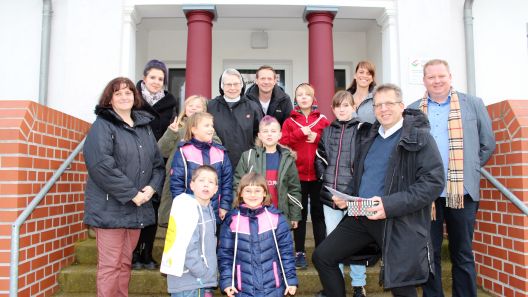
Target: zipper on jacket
338	155
106	197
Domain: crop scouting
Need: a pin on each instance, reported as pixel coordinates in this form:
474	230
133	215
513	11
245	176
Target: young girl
168	145
277	164
196	149
302	132
255	256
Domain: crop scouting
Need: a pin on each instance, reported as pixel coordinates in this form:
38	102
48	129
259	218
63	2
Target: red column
321	58
199	53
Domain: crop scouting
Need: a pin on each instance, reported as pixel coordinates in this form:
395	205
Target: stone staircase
78	280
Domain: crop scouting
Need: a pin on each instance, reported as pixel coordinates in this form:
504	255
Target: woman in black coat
125	170
164	107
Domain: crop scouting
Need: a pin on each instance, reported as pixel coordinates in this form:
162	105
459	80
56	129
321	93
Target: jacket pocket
276	274
239	278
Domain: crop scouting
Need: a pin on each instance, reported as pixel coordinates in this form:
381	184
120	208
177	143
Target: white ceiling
256	17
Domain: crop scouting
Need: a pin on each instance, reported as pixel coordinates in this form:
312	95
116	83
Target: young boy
189	256
333	163
277	164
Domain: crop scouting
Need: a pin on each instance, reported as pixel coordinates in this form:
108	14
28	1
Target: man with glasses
236	118
272	98
398	167
462	129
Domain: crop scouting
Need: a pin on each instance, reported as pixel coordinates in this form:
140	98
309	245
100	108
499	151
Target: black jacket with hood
414	179
236	126
121	160
280	105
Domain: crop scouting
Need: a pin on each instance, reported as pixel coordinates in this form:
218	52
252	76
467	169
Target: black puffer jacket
280	105
236	127
121	160
415	178
163	111
335	157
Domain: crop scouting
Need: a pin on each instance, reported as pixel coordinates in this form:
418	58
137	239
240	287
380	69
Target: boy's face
205	185
344	111
270	134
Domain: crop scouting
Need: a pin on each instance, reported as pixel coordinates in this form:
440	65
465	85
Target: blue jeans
190	293
460	224
358	273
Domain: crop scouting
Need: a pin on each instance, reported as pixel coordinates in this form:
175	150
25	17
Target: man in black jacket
269	96
398	166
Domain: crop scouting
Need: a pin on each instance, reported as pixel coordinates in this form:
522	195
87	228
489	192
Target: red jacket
293	137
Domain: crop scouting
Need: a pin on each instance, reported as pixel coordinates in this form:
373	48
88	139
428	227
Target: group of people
233	178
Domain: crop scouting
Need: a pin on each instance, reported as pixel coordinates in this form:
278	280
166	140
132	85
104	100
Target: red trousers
114	248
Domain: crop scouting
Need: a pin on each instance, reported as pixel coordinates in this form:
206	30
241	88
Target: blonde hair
252	179
182	116
436	62
307	88
204	168
193	121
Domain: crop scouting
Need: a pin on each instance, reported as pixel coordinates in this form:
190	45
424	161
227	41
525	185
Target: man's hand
340	203
230	291
294	224
379	209
433	212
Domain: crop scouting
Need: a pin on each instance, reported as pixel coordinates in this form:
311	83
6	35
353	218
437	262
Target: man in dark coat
398	166
269	96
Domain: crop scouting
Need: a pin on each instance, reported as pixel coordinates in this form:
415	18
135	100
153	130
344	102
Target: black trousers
460	225
349	237
311	189
143	250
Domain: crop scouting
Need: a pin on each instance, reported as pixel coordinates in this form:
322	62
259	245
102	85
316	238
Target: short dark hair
266	67
157	64
389	87
341	96
115	85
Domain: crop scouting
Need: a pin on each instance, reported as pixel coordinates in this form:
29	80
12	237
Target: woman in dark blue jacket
125	169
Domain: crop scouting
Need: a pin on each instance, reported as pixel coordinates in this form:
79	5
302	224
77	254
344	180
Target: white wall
374	51
431	29
501	49
20	27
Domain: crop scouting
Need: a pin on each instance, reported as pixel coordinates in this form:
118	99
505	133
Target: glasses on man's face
232	85
389	104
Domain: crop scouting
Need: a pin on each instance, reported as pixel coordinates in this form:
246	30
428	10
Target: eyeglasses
232	85
387	104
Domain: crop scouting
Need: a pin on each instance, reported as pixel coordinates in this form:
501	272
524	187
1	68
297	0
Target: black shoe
359	292
320	294
137	265
150	265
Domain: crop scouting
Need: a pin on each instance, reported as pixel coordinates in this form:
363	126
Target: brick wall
501	232
34	142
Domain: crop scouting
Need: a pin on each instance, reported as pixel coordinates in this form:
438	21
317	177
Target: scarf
149	97
455	168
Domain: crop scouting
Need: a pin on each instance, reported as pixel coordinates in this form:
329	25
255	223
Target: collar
429	100
391	130
232	100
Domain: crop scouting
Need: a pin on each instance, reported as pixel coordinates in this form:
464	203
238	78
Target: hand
230	291
379	209
221	213
311	137
294	224
433	212
306	130
340	203
174	126
140	198
148	191
290	290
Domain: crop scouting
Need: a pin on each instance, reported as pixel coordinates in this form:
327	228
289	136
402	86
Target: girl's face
253	196
193	107
363	77
154	80
122	99
344	111
303	98
204	130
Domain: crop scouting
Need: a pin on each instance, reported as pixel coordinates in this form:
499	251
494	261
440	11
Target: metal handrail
15	232
505	191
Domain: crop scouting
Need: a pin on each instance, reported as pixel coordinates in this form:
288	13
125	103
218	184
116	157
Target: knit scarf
149	97
455	168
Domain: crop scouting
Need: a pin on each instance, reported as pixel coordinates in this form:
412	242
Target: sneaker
137	265
300	260
320	294
152	265
359	292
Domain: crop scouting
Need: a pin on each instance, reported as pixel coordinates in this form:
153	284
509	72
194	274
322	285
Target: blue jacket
258	269
191	155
